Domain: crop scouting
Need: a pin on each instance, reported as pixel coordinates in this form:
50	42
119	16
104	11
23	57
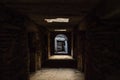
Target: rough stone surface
57	74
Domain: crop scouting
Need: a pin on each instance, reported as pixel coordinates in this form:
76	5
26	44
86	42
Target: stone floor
57	74
60	57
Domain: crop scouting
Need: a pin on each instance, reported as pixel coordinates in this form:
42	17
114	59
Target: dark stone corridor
90	49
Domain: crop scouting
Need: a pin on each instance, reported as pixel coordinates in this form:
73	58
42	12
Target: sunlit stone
65	20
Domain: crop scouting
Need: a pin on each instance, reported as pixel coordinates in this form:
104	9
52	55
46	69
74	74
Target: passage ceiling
37	10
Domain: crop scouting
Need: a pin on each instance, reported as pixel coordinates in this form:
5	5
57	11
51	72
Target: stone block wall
37	44
13	46
34	51
43	35
102	55
81	50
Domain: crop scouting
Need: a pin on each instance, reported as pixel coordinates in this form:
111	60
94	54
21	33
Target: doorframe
60	32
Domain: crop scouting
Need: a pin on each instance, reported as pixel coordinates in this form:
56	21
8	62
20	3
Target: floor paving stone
57	74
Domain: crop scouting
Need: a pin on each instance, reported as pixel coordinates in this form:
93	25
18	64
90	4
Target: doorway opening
60	46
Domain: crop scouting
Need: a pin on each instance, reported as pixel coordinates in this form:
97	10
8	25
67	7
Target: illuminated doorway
60	45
